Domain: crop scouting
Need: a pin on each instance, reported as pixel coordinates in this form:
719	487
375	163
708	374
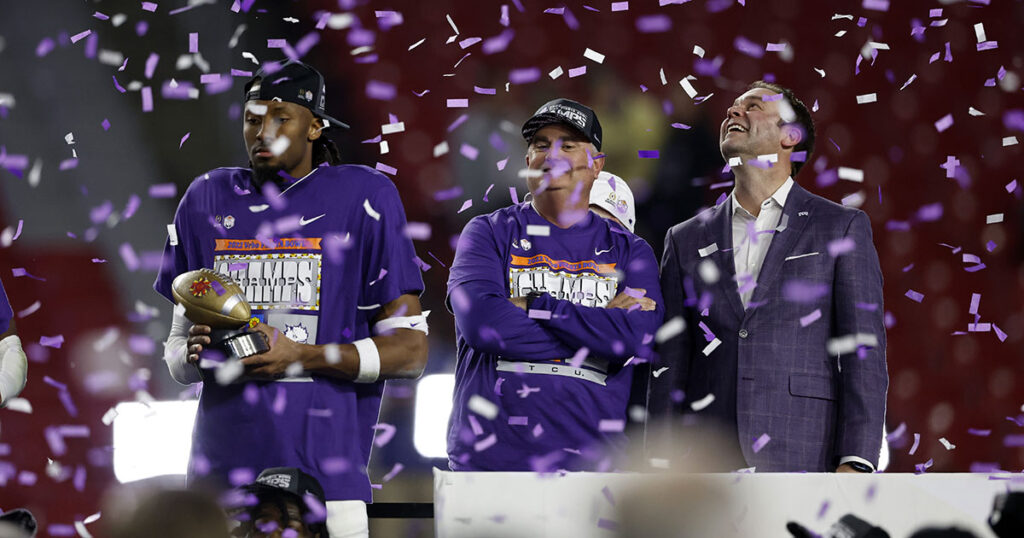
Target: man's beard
263	174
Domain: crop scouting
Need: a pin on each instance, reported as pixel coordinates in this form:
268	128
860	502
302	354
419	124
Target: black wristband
530	297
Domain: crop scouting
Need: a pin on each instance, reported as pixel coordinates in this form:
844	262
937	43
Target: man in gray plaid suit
781	294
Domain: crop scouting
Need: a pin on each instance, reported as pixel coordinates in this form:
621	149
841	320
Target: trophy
214	299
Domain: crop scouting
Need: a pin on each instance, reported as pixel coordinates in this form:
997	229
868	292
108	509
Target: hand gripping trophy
216	300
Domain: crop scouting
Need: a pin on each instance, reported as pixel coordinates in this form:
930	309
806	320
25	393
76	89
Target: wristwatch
860	467
531	296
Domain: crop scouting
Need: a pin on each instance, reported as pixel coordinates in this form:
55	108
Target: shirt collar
780	195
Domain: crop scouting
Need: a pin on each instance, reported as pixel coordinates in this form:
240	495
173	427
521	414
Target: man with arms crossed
320	251
781	293
551	305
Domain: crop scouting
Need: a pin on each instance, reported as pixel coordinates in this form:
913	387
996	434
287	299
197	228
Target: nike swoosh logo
304	221
600	252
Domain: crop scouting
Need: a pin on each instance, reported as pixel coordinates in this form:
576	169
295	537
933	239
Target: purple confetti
381	91
917	441
761	442
979	433
163	190
386	432
523	76
52	341
607	524
469	151
648	154
79	36
518	421
147	99
577	71
1014	440
944	123
748	47
652	24
841	246
914	296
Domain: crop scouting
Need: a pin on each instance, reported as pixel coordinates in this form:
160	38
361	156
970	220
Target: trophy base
240	343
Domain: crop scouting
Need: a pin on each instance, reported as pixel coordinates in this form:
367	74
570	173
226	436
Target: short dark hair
803	117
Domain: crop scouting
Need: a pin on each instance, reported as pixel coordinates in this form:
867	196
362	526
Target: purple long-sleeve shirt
526	397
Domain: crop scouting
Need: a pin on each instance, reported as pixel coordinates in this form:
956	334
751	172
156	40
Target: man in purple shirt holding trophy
319	250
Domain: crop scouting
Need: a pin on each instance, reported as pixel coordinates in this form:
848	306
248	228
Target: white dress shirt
751	237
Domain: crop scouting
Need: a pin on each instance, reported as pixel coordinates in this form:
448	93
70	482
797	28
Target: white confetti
556	72
1009	141
702	403
539	230
769	158
384	148
712	345
392	128
172	235
946	443
698	50
854	200
669	330
687	87
735	161
851	174
416	44
867	98
369	210
482	406
848	344
979	32
975	112
708	250
994	218
661	73
708	272
280	145
253	108
441	149
820	72
593	55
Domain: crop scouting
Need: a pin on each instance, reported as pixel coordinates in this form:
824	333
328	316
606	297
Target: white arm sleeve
13	368
176	350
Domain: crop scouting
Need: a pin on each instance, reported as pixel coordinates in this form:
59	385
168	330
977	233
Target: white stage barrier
587	504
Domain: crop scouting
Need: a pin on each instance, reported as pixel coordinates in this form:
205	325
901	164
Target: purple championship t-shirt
526	397
6	312
317	262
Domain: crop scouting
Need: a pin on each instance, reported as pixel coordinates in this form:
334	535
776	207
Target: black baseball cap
294	82
294	482
568	112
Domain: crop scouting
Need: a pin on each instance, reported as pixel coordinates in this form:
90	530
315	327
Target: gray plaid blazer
815	385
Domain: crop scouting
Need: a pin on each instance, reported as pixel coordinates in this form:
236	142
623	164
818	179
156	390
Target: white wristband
369	361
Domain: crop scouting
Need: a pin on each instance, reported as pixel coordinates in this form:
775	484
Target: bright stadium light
152	439
433	406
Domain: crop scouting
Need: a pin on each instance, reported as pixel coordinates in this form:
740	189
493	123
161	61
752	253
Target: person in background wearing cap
551	305
611	198
285	498
13	362
319	249
786	288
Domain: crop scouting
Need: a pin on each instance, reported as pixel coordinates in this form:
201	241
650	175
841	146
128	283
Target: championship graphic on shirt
585	283
280	278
